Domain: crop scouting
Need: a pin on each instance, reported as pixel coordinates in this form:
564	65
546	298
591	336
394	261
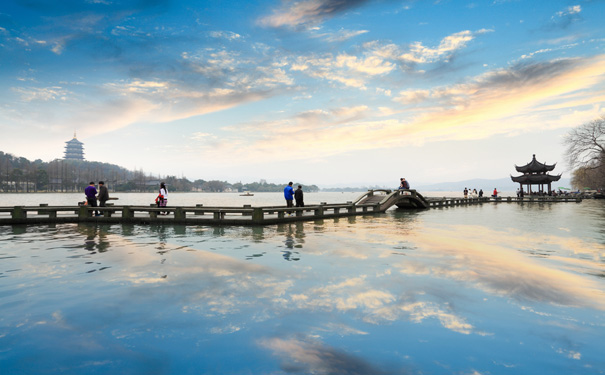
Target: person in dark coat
298	197
103	194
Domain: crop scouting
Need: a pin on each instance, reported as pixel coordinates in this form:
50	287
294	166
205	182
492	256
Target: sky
326	92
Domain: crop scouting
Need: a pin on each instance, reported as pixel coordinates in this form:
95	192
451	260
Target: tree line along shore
20	175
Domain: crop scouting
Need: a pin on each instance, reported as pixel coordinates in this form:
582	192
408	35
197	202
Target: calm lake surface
490	289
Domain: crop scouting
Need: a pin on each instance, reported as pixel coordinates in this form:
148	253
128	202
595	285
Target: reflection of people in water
96	237
294	239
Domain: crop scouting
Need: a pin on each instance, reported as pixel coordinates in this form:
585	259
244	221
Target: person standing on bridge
298	196
289	195
91	196
103	194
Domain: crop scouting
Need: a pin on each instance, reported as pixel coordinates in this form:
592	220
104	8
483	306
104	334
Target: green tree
41	179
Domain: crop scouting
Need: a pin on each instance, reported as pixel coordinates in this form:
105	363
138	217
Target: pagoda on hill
535	173
74	149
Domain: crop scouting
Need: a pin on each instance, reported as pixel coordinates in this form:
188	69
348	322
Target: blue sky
330	92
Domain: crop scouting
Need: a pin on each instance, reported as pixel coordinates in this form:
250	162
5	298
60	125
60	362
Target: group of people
102	195
92	197
292	195
468	193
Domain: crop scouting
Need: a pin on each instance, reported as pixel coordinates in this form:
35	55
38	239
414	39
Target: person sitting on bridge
404	184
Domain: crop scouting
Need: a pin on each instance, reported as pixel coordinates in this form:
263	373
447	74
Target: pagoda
535	173
74	149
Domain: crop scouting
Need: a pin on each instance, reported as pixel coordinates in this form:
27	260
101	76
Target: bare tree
585	152
586	145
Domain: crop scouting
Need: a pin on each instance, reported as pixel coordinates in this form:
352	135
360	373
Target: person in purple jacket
91	196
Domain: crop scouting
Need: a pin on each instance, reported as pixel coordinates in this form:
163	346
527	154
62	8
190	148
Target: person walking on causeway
91	196
163	197
289	195
298	196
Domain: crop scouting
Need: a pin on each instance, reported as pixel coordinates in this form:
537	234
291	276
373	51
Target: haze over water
490	289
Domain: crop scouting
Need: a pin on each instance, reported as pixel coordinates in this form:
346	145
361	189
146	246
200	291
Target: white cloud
575	9
229	35
29	94
341	35
418	53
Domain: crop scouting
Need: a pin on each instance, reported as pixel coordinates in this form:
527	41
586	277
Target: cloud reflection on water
306	356
494	261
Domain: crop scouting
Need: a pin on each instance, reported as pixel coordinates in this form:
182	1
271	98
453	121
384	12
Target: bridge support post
127	212
153	214
257	215
179	213
336	210
83	212
319	211
351	209
19	213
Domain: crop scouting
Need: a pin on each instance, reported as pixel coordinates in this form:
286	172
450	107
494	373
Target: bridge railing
198	213
371	192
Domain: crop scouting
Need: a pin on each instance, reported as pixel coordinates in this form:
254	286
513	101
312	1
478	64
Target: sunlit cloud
525	94
307	13
450	44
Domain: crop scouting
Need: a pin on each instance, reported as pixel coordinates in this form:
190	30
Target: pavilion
535	173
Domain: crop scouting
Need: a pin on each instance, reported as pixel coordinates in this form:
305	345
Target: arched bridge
382	199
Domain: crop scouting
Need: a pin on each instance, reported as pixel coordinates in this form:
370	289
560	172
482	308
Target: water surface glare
490	289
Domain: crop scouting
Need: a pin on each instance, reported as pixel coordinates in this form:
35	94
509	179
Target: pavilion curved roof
535	179
535	166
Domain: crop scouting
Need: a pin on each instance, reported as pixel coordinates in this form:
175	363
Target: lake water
490	289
